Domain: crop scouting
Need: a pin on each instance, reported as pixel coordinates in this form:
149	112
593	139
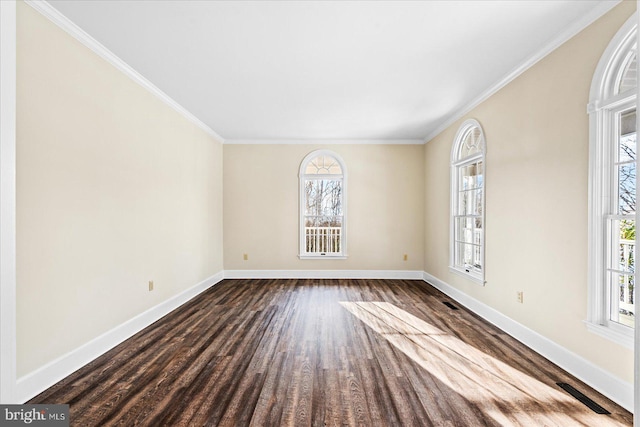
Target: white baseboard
32	384
323	274
39	380
614	388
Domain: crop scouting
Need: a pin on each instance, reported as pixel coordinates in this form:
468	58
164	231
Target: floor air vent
451	306
584	399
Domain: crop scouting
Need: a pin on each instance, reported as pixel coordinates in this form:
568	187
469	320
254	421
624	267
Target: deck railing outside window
322	239
626	292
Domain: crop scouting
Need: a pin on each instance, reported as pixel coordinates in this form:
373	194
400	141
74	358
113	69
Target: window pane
622	252
477	257
334	235
468	230
471	144
464	229
310	233
468	256
311	196
470	189
621	271
467	177
477	232
324	165
626	163
629	75
465	205
627	149
465	255
470	202
323	197
323	234
627	188
463	201
471	176
622	299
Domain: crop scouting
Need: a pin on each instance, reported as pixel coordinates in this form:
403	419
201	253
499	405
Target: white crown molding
79	34
59	19
614	388
602	8
36	382
303	141
323	274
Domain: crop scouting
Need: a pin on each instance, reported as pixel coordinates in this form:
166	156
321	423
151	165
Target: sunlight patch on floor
471	373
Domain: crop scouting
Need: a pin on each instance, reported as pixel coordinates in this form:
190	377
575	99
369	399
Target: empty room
374	213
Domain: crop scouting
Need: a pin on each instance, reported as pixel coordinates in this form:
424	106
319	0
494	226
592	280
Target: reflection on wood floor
324	352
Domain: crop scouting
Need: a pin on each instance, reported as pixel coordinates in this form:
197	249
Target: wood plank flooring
324	353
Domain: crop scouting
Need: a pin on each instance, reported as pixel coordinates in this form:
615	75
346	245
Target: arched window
612	189
467	201
322	206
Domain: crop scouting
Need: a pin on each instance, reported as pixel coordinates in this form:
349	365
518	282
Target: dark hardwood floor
324	352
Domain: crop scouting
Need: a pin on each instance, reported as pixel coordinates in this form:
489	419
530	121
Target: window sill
322	256
470	276
622	338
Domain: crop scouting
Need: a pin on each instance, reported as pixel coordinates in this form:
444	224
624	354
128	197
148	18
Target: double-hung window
322	206
467	202
612	190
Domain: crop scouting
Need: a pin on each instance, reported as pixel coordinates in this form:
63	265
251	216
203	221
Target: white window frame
603	108
456	163
302	177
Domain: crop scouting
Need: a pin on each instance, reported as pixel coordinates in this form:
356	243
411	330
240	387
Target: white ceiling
328	70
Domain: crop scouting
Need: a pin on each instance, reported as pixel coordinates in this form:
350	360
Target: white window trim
603	104
476	277
8	333
301	198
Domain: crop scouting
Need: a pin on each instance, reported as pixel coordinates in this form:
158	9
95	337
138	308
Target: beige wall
536	197
385	207
114	188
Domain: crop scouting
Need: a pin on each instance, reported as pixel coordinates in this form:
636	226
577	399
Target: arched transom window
322	206
467	202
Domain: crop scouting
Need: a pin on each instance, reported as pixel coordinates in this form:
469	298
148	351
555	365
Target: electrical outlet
521	297
405	257
245	257
150	285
